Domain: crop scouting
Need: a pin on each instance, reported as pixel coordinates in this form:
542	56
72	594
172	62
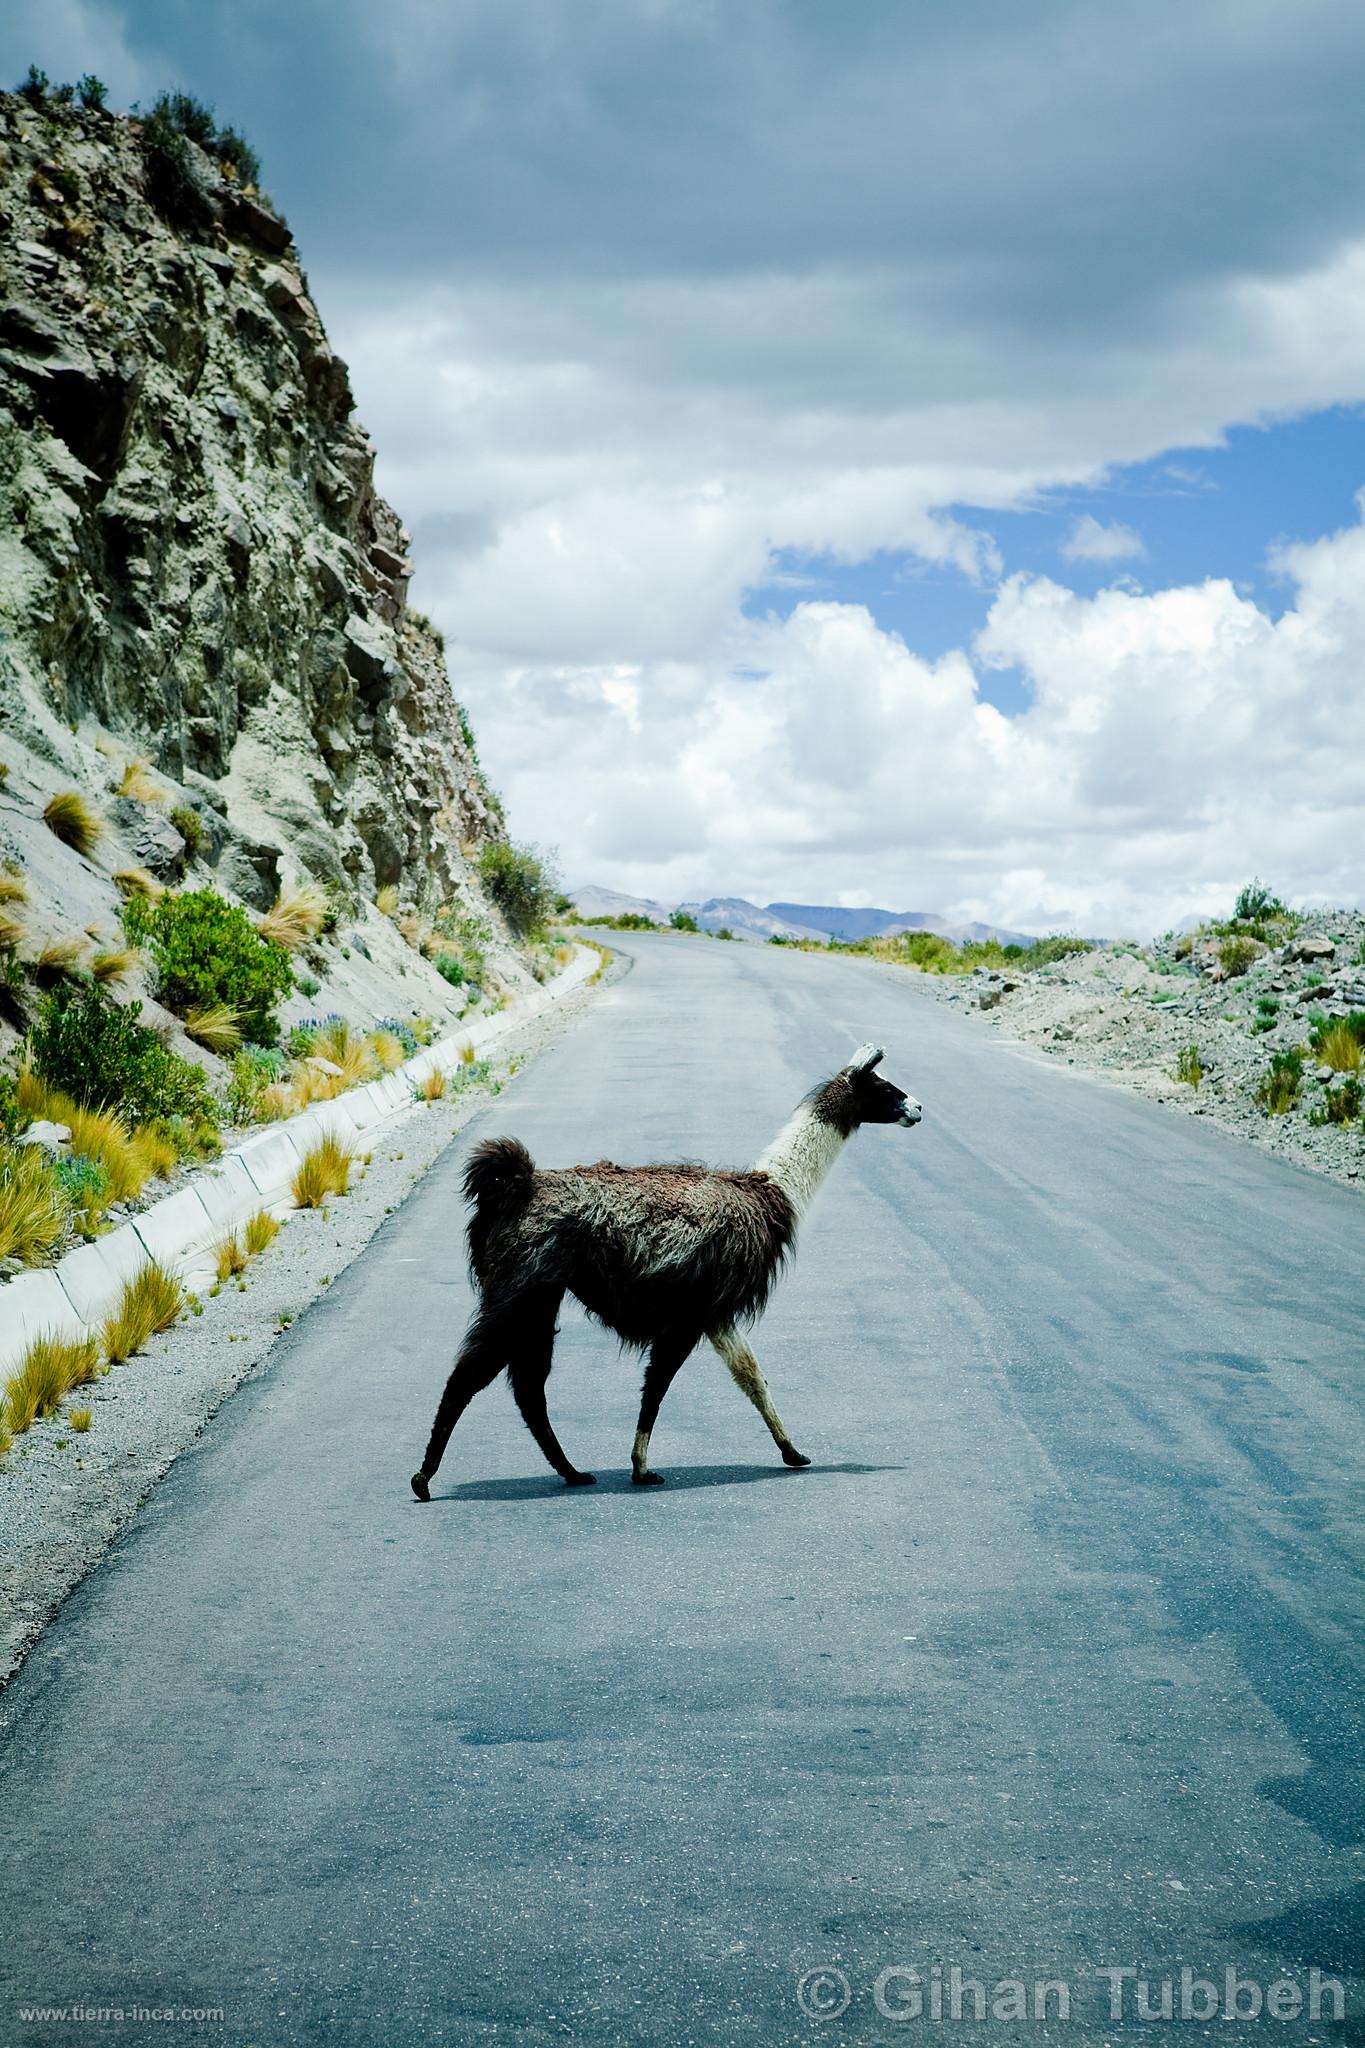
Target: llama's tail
498	1178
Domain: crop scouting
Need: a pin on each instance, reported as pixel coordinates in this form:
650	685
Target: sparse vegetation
259	1231
137	781
1277	1092
70	817
683	921
1189	1067
92	93
433	1086
79	1420
1236	953
325	1171
449	968
151	1301
230	1256
112	965
520	882
58	960
1340	1043
32	1217
386	899
190	826
1341	1105
296	917
137	882
47	1372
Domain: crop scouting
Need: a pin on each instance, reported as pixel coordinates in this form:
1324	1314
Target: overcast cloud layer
637	295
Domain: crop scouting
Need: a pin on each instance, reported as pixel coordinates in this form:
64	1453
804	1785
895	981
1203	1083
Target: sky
903	454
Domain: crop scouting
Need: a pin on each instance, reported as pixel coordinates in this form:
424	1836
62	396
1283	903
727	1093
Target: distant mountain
832	920
595	902
818	921
736	914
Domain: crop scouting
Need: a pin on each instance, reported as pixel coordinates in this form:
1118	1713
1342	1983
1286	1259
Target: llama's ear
865	1059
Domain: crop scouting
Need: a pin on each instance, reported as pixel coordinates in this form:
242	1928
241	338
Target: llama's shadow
677	1479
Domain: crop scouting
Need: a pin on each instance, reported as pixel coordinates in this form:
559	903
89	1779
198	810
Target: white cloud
1175	744
1091	541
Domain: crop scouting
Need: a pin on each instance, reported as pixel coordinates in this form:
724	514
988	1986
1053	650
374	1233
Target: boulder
255	223
49	1135
152	838
1310	950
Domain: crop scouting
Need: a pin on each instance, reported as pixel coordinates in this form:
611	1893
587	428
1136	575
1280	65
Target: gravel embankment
64	1496
1127	1013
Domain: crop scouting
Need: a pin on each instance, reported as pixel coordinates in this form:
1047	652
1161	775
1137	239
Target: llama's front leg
529	1371
666	1359
748	1377
482	1356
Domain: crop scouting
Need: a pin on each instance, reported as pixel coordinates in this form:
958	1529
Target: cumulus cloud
1091	541
1174	744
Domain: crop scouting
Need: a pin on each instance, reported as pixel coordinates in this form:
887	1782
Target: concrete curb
72	1298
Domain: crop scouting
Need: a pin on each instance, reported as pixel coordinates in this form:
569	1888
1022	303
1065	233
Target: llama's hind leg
666	1359
748	1377
482	1356
529	1370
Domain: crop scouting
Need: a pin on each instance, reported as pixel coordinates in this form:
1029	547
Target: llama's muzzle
910	1113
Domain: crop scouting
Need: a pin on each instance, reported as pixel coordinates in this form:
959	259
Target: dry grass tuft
114	964
80	1420
151	1301
388	1050
278	1099
1339	1047
386	899
295	917
31	1219
153	1151
13	887
99	1134
415	929
260	1230
467	1053
215	1026
11	932
74	821
48	1370
139	882
138	781
60	959
349	1050
229	1257
325	1171
433	1087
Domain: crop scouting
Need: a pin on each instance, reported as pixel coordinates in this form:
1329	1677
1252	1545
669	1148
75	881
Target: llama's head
871	1099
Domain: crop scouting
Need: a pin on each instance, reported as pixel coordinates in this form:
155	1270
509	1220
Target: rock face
192	552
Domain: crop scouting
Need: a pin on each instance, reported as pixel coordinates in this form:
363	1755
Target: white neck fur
801	1155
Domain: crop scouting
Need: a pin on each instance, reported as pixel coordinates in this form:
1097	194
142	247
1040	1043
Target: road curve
1049	1665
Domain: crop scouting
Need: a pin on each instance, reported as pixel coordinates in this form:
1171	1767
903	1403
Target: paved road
1050	1662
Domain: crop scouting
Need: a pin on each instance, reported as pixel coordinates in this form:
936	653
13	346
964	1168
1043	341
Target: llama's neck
802	1154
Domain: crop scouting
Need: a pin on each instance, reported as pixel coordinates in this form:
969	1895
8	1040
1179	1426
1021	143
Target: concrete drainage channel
72	1298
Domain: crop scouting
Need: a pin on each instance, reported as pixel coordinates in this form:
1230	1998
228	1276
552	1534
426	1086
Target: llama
662	1255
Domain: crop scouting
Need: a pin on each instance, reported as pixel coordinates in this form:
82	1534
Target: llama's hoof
420	1486
646	1478
580	1479
791	1456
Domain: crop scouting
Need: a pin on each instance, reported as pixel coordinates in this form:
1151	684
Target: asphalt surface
1050	1664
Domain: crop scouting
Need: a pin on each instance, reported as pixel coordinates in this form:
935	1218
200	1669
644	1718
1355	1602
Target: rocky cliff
193	556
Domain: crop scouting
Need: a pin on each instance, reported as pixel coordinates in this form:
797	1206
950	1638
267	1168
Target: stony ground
1129	1013
65	1496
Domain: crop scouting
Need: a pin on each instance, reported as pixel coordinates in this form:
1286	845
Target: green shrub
190	116
722	931
96	1051
683	921
1189	1067
173	184
1255	903
449	968
83	1185
35	87
190	826
1267	1011
520	883
239	160
930	951
1278	1088
207	952
92	93
1341	1105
